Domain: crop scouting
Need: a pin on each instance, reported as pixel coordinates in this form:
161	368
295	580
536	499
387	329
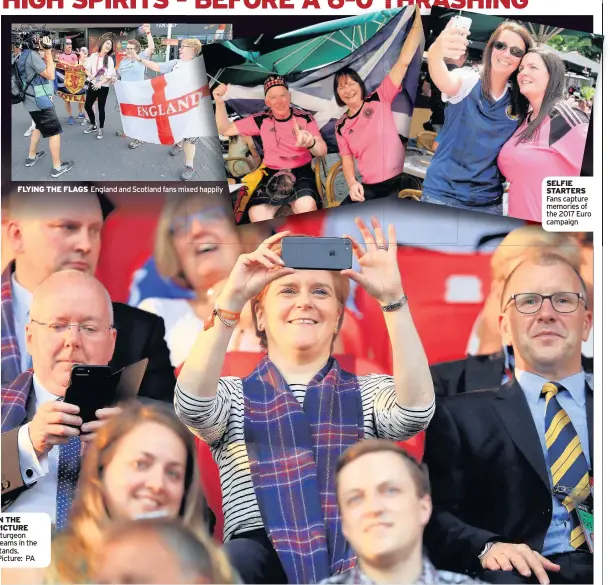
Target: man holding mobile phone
70	322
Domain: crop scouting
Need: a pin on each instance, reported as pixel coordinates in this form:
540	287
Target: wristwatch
395	306
486	549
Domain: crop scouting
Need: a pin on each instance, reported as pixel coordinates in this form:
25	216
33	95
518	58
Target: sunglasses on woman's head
514	51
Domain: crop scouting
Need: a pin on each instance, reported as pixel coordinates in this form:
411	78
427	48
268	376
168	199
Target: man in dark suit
61	232
507	465
70	322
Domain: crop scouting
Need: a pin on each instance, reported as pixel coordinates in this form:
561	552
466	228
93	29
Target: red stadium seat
446	293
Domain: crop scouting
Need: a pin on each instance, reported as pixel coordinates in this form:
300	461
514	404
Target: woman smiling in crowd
485	108
277	434
550	142
367	133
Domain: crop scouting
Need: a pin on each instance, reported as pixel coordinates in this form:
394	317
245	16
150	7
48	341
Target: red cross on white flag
169	107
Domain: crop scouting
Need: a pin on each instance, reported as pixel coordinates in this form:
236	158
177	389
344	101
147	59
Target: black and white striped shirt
219	421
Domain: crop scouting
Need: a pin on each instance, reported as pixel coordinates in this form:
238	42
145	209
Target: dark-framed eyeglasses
562	302
88	329
514	51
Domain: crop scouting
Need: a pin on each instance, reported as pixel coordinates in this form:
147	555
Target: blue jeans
495	209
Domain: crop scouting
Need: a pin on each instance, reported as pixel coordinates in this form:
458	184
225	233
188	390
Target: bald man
507	465
48	234
70	322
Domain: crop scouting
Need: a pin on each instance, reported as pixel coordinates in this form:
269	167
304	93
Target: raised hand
146	29
219	91
379	274
452	42
356	192
303	137
251	273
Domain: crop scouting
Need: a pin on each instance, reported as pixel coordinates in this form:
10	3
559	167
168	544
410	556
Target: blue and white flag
313	91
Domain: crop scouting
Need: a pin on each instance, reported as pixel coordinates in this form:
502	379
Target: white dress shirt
42	471
22	299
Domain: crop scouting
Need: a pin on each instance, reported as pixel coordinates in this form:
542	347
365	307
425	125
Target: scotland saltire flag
313	91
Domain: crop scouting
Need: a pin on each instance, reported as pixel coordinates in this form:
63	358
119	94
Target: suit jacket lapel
11	357
589	407
515	413
484	372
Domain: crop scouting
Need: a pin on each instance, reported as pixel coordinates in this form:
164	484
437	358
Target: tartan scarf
293	452
14	399
11	356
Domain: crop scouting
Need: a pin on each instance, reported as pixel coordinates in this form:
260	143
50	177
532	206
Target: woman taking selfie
100	69
550	142
485	108
277	434
366	133
140	464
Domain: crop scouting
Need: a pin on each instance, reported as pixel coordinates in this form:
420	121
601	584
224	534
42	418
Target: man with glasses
511	468
49	235
70	322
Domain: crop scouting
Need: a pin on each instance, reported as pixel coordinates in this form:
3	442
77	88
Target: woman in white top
277	434
100	69
196	245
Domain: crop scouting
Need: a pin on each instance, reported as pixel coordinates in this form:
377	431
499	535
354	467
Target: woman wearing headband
485	108
277	434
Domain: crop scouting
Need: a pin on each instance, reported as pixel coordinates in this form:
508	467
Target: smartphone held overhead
308	253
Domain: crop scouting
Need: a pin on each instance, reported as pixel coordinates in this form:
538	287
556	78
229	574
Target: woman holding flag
100	69
277	434
189	50
366	132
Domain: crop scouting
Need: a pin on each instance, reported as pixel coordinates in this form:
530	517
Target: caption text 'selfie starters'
259	4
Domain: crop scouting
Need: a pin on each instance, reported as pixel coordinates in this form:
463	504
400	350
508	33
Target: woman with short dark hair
366	133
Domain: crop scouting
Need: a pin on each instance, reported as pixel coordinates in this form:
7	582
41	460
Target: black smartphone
307	253
91	388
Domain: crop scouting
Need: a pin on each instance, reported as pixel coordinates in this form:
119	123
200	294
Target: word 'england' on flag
313	91
169	107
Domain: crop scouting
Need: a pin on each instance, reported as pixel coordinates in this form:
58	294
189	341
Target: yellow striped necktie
569	467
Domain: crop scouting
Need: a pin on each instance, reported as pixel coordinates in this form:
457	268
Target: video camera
32	39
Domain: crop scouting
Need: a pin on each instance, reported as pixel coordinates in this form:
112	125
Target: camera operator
38	73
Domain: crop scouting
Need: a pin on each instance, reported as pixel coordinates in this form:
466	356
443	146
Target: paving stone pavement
108	159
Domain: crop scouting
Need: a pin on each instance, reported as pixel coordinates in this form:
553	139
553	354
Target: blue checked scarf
293	452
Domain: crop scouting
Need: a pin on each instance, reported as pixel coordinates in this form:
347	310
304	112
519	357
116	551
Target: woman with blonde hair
141	464
278	433
196	246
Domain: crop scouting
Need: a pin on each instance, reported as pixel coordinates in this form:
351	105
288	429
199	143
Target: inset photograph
317	117
502	105
127	102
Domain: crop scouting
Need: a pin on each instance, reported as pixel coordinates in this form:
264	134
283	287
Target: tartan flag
313	91
71	82
169	107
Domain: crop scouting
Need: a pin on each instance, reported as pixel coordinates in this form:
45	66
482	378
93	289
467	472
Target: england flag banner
313	91
169	107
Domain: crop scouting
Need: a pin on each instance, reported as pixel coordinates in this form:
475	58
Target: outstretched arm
408	50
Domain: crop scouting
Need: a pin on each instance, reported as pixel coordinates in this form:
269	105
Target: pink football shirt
278	136
371	136
556	151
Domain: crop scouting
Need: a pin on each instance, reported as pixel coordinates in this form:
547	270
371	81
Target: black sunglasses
514	51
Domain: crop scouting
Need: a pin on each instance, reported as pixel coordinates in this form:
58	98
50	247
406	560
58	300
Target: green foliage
587	46
587	92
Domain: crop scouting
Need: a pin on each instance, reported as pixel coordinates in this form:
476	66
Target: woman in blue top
485	108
